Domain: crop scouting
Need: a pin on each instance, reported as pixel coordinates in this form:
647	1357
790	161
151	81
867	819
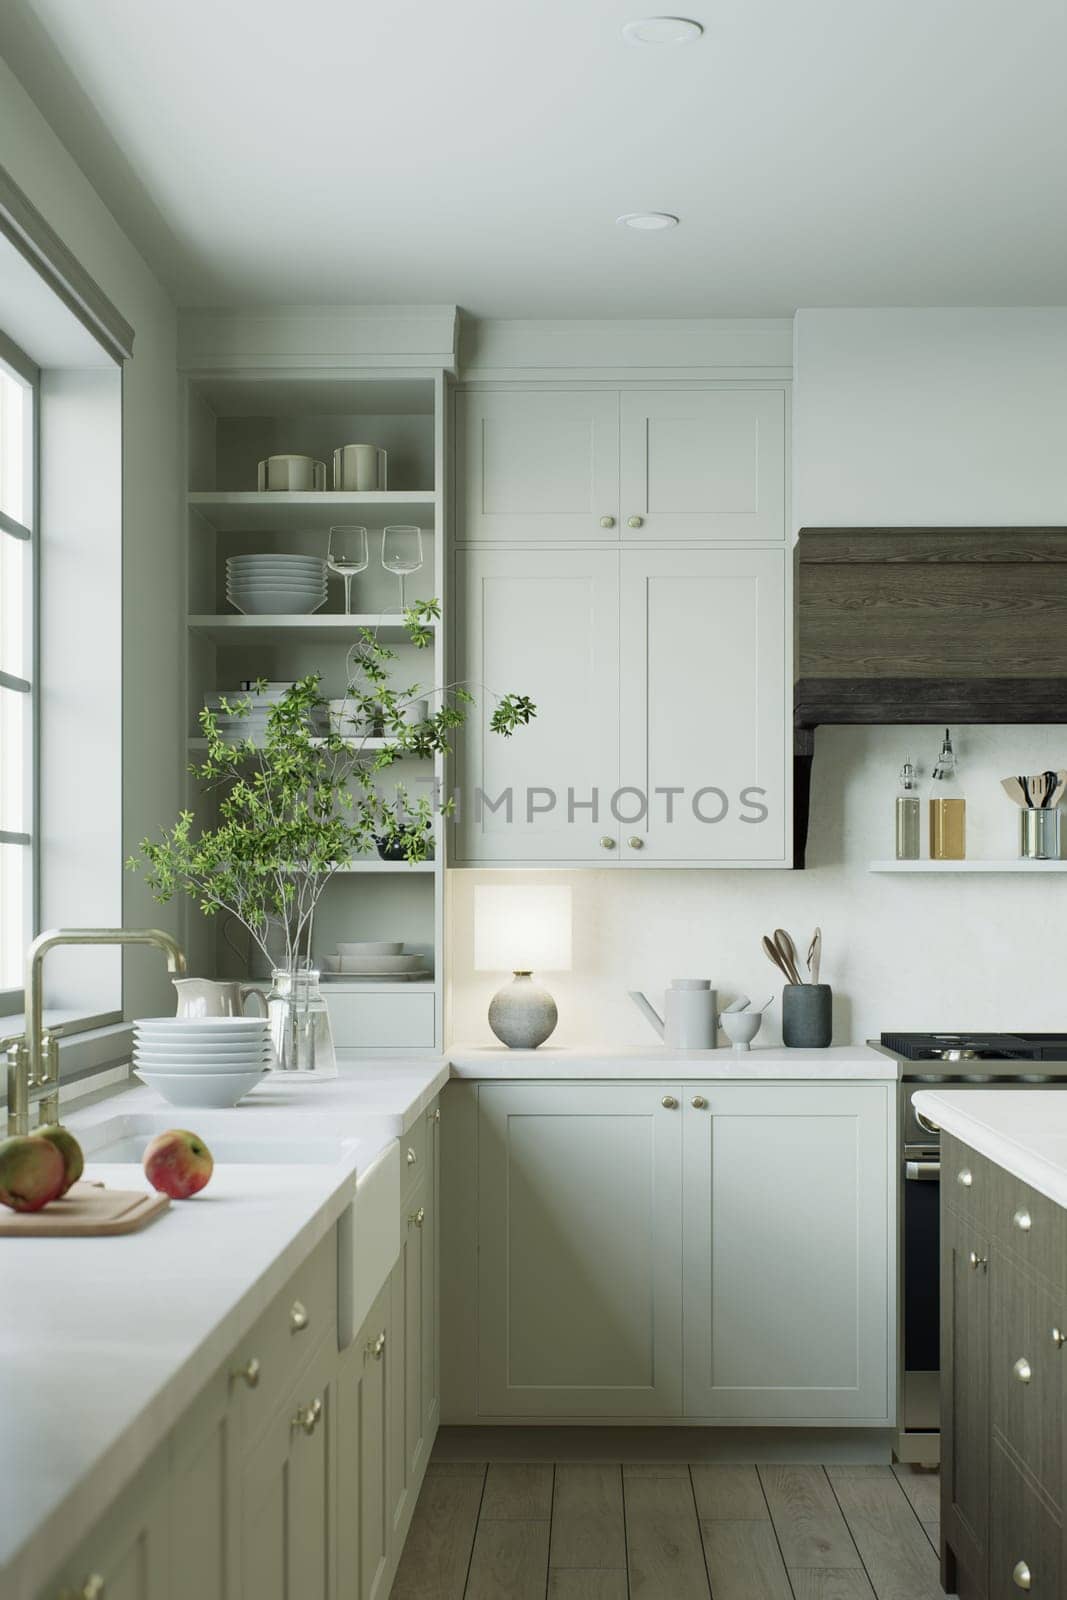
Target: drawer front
286	1336
1027	1371
1025	1545
383	1021
966	1181
414	1155
1029	1226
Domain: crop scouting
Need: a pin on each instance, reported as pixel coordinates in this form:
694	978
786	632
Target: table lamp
522	929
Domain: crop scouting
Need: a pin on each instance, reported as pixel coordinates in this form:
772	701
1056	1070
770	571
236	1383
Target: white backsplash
901	952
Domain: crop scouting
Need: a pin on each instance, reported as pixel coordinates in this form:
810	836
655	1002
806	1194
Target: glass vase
300	1025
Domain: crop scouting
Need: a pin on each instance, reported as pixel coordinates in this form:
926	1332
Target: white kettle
690	1013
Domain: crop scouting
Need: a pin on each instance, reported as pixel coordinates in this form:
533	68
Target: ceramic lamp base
521	1014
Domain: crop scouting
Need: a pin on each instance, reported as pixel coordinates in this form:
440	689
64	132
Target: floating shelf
369	745
389	866
226	629
1014	865
248	511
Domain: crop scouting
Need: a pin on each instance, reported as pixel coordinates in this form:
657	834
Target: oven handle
922	1171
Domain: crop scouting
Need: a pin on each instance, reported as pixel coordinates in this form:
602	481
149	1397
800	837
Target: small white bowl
741	1027
371	947
162	1061
207	1091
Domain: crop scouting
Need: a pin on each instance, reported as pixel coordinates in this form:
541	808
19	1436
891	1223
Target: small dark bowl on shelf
396	849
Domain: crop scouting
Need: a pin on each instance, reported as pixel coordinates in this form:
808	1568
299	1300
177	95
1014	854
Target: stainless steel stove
958	1061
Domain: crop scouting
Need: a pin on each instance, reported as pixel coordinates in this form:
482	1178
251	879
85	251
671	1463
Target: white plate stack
208	1062
251	723
376	958
271	585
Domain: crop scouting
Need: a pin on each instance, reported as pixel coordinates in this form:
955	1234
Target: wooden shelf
225	629
1018	864
248	511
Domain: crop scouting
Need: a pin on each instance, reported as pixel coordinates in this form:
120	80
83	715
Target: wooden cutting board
86	1208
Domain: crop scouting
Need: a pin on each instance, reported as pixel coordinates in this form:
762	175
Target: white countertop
105	1342
657	1062
1023	1131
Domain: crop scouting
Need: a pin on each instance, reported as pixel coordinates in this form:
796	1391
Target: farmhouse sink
123	1140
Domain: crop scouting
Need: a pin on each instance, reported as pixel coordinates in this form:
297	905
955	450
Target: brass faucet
33	1061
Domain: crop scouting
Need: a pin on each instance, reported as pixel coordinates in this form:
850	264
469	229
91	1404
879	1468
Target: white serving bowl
371	947
282	604
204	1049
189	1024
355	965
203	1031
266	558
211	1066
207	1091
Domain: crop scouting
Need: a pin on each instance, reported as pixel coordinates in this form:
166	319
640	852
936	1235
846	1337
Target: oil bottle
907	814
948	808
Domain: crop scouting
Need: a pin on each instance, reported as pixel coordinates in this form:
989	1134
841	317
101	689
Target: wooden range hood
925	625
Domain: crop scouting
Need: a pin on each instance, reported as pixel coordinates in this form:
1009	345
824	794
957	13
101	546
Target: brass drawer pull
376	1347
1023	1220
417	1218
307	1417
437	1114
1022	1370
965	1177
1059	1338
607	522
411	1157
976	1261
298	1317
94	1588
1020	1575
249	1373
698	1102
669	1103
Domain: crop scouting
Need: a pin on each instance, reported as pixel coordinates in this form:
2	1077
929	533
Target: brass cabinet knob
298	1317
669	1103
1020	1575
437	1114
635	842
411	1157
1022	1370
94	1588
607	842
634	522
377	1346
965	1177
607	522
249	1373
417	1218
1022	1220
698	1102
307	1417
1059	1338
977	1261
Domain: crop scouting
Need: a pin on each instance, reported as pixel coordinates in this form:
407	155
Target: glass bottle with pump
907	814
948	808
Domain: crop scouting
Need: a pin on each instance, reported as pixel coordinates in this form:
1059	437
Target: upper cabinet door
544	623
537	465
704	701
703	464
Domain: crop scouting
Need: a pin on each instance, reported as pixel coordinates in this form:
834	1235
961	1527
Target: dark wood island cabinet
1004	1382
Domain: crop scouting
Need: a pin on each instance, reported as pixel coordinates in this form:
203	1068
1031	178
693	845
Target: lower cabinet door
126	1555
205	1495
965	1402
289	1520
1025	1542
364	1521
579	1250
788	1247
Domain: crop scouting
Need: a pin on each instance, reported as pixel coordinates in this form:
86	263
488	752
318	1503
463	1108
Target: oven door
919	1438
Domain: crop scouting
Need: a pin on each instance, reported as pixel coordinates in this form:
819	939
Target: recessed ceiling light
647	221
662	30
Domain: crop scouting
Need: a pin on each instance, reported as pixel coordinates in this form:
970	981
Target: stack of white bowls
235	727
202	1061
276	584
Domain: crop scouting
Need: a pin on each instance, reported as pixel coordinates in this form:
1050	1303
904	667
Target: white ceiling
477	152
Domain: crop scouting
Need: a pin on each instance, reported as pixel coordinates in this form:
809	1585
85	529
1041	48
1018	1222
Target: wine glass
346	554
401	553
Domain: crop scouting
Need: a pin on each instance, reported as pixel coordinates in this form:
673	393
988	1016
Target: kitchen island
1004	1328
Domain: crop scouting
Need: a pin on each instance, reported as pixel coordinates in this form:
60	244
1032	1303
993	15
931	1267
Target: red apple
178	1163
32	1172
69	1149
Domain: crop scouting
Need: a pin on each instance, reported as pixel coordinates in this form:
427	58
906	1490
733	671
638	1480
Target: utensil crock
807	1016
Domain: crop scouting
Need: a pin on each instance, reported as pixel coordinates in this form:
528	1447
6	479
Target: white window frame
18	365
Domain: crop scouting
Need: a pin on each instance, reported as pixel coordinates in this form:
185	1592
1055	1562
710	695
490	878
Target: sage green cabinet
365	1520
126	1557
579	1251
205	1494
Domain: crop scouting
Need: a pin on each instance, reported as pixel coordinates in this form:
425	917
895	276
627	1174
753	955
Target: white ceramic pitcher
690	1014
206	997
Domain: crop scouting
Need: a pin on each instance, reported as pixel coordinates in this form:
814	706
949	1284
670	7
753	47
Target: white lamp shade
522	929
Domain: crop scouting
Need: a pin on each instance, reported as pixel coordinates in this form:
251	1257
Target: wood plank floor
670	1531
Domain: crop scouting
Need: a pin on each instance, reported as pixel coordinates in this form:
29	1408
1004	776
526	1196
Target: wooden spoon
815	955
788	952
770	950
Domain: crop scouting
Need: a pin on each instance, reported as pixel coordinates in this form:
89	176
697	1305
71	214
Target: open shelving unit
234	420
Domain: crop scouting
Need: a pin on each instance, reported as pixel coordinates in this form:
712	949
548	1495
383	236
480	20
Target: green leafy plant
295	810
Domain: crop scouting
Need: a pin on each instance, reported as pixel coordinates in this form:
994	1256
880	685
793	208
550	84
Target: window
18	766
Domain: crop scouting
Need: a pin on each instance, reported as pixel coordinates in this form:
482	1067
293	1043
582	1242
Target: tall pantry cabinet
621	558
